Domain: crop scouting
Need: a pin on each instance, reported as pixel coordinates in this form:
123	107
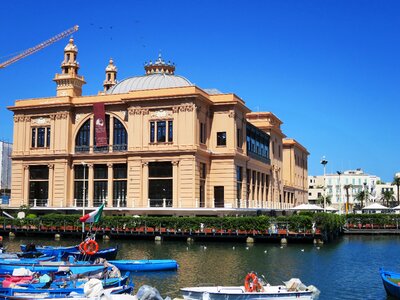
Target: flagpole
83	196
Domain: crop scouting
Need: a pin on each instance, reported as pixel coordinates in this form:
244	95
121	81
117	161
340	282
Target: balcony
38	202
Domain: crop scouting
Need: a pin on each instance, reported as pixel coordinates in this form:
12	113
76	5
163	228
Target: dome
159	75
71	46
149	82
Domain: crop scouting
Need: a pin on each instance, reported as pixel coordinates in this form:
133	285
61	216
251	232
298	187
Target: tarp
375	206
330	208
311	207
397	207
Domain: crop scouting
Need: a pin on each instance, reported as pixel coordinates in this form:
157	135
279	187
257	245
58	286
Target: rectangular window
40	137
48	138
119	185
221	138
33	138
100	184
170	131
202	133
239	137
161	131
152	132
219	196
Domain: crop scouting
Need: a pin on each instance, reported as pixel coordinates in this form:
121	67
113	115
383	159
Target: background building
338	185
150	144
5	171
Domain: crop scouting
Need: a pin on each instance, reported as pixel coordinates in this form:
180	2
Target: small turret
111	76
69	83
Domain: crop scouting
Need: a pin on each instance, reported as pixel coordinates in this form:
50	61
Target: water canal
344	269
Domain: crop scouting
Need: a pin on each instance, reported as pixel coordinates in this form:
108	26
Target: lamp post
324	162
83	195
340	192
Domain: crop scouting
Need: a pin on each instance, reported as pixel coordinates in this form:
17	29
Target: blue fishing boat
144	265
391	282
108	253
7	267
49	250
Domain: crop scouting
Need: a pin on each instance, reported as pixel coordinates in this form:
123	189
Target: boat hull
108	253
238	293
50	250
144	265
6	268
391	281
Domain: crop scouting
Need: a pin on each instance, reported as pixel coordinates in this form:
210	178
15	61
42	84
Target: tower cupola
159	67
69	83
111	76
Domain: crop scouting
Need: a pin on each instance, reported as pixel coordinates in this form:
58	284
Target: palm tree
347	187
361	195
387	196
328	199
396	181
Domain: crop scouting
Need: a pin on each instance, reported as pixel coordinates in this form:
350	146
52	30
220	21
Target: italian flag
92	217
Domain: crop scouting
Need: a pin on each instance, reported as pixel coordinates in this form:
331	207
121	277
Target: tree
361	196
387	196
328	199
347	187
396	181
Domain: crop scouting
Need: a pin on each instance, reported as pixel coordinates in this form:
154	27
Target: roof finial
159	66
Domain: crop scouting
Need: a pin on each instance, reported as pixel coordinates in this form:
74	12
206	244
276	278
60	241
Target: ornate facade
171	148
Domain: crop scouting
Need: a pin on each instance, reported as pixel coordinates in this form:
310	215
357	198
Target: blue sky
330	70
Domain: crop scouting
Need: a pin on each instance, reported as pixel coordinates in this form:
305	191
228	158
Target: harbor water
347	268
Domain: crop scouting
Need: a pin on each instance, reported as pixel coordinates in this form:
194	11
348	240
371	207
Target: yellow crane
39	46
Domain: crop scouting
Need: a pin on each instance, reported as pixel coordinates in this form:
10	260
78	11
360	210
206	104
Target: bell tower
69	83
111	76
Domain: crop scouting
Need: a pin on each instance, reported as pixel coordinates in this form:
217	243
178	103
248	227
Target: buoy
283	241
249	240
11	234
157	238
57	236
106	237
190	240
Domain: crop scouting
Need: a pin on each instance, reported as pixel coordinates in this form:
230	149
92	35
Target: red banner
100	124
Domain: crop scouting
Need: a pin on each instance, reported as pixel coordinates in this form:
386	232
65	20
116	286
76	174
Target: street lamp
324	162
83	195
340	192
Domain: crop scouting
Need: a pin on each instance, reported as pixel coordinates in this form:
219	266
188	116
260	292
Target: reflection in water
345	269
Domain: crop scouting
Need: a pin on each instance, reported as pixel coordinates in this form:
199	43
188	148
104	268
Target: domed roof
159	75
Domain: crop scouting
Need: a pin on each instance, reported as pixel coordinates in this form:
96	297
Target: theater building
149	144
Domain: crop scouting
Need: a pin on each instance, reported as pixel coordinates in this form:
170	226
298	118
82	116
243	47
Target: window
239	137
160	184
219	196
40	137
38	185
257	143
119	185
221	138
82	141
81	176
119	133
160	133
120	136
203	174
202	133
239	184
100	184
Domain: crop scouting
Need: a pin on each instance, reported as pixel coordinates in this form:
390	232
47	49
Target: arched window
118	131
82	141
120	136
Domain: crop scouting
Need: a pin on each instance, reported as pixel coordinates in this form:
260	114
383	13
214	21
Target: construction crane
39	47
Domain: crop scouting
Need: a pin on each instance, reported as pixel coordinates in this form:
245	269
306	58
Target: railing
119	203
79	203
101	149
38	202
160	202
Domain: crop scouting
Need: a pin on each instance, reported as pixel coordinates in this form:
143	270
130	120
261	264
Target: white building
5	167
335	187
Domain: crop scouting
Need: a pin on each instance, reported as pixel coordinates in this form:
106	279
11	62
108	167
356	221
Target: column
110	197
111	137
90	185
50	192
91	136
25	186
145	184
175	183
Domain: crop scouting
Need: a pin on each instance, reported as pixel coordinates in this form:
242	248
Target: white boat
254	289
